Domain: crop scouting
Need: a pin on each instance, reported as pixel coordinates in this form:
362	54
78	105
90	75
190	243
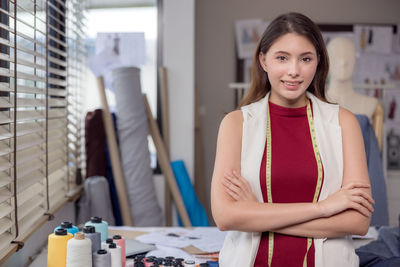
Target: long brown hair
288	23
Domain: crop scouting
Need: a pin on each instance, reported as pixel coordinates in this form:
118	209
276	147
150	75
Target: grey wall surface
215	48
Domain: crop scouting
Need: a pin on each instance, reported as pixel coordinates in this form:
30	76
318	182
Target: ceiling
93	4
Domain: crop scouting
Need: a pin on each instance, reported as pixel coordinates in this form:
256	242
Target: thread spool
120	241
115	252
149	262
100	226
57	248
94	236
68	226
79	251
104	245
179	261
190	263
101	258
139	259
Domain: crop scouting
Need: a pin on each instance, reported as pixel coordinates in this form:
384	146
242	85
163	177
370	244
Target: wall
178	58
215	49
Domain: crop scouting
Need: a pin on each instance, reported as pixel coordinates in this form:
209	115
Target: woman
290	179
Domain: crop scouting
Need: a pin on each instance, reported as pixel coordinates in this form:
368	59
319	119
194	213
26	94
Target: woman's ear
261	58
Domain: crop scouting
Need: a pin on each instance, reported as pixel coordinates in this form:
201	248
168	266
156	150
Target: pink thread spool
120	241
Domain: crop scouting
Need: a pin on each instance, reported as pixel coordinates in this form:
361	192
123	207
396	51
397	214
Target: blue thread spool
72	229
100	226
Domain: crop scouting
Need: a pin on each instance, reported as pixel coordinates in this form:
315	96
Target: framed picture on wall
248	32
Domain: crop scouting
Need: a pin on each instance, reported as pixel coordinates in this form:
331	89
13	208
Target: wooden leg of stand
166	166
165	131
199	156
115	158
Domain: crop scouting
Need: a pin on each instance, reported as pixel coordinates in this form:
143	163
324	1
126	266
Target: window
142	19
41	58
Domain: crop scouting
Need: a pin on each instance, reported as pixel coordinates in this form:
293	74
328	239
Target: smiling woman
290	64
290	174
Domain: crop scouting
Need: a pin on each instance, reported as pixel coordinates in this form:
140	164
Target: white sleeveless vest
240	248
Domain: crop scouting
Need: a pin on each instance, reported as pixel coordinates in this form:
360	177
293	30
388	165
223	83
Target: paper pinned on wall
115	50
129	47
373	39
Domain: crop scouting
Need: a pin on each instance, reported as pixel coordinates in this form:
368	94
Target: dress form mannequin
342	56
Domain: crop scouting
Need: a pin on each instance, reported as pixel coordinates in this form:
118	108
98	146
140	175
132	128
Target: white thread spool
101	258
79	251
104	244
115	252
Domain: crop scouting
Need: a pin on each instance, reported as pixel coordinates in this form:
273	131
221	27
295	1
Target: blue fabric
372	260
380	217
110	179
385	251
213	263
195	210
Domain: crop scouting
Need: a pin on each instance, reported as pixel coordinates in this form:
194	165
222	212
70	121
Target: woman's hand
238	187
350	196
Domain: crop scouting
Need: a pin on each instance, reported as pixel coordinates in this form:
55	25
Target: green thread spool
100	226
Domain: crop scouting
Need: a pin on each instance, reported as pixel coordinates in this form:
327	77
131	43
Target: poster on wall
128	47
115	50
373	39
375	69
248	33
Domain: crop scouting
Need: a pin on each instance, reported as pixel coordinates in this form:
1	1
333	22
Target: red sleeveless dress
294	177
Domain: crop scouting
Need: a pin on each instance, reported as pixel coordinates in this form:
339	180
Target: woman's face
290	63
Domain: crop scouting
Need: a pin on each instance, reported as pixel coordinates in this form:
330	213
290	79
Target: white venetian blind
76	35
57	105
40	125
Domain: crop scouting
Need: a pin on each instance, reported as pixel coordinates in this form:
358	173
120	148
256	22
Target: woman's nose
293	70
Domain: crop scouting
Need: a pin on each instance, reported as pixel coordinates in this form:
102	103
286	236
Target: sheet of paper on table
205	239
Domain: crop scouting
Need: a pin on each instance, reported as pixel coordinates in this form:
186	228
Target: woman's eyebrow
307	53
302	54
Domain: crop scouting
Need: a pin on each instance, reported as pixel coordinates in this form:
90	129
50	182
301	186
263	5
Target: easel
165	166
116	161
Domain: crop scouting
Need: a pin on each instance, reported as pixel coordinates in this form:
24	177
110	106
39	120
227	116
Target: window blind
77	67
41	70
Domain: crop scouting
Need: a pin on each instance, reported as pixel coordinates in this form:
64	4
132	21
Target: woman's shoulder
347	118
231	126
233	119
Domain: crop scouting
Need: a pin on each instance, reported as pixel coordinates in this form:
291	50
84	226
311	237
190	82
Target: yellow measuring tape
268	176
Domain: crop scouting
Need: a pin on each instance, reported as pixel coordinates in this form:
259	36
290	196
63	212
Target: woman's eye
306	59
281	58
